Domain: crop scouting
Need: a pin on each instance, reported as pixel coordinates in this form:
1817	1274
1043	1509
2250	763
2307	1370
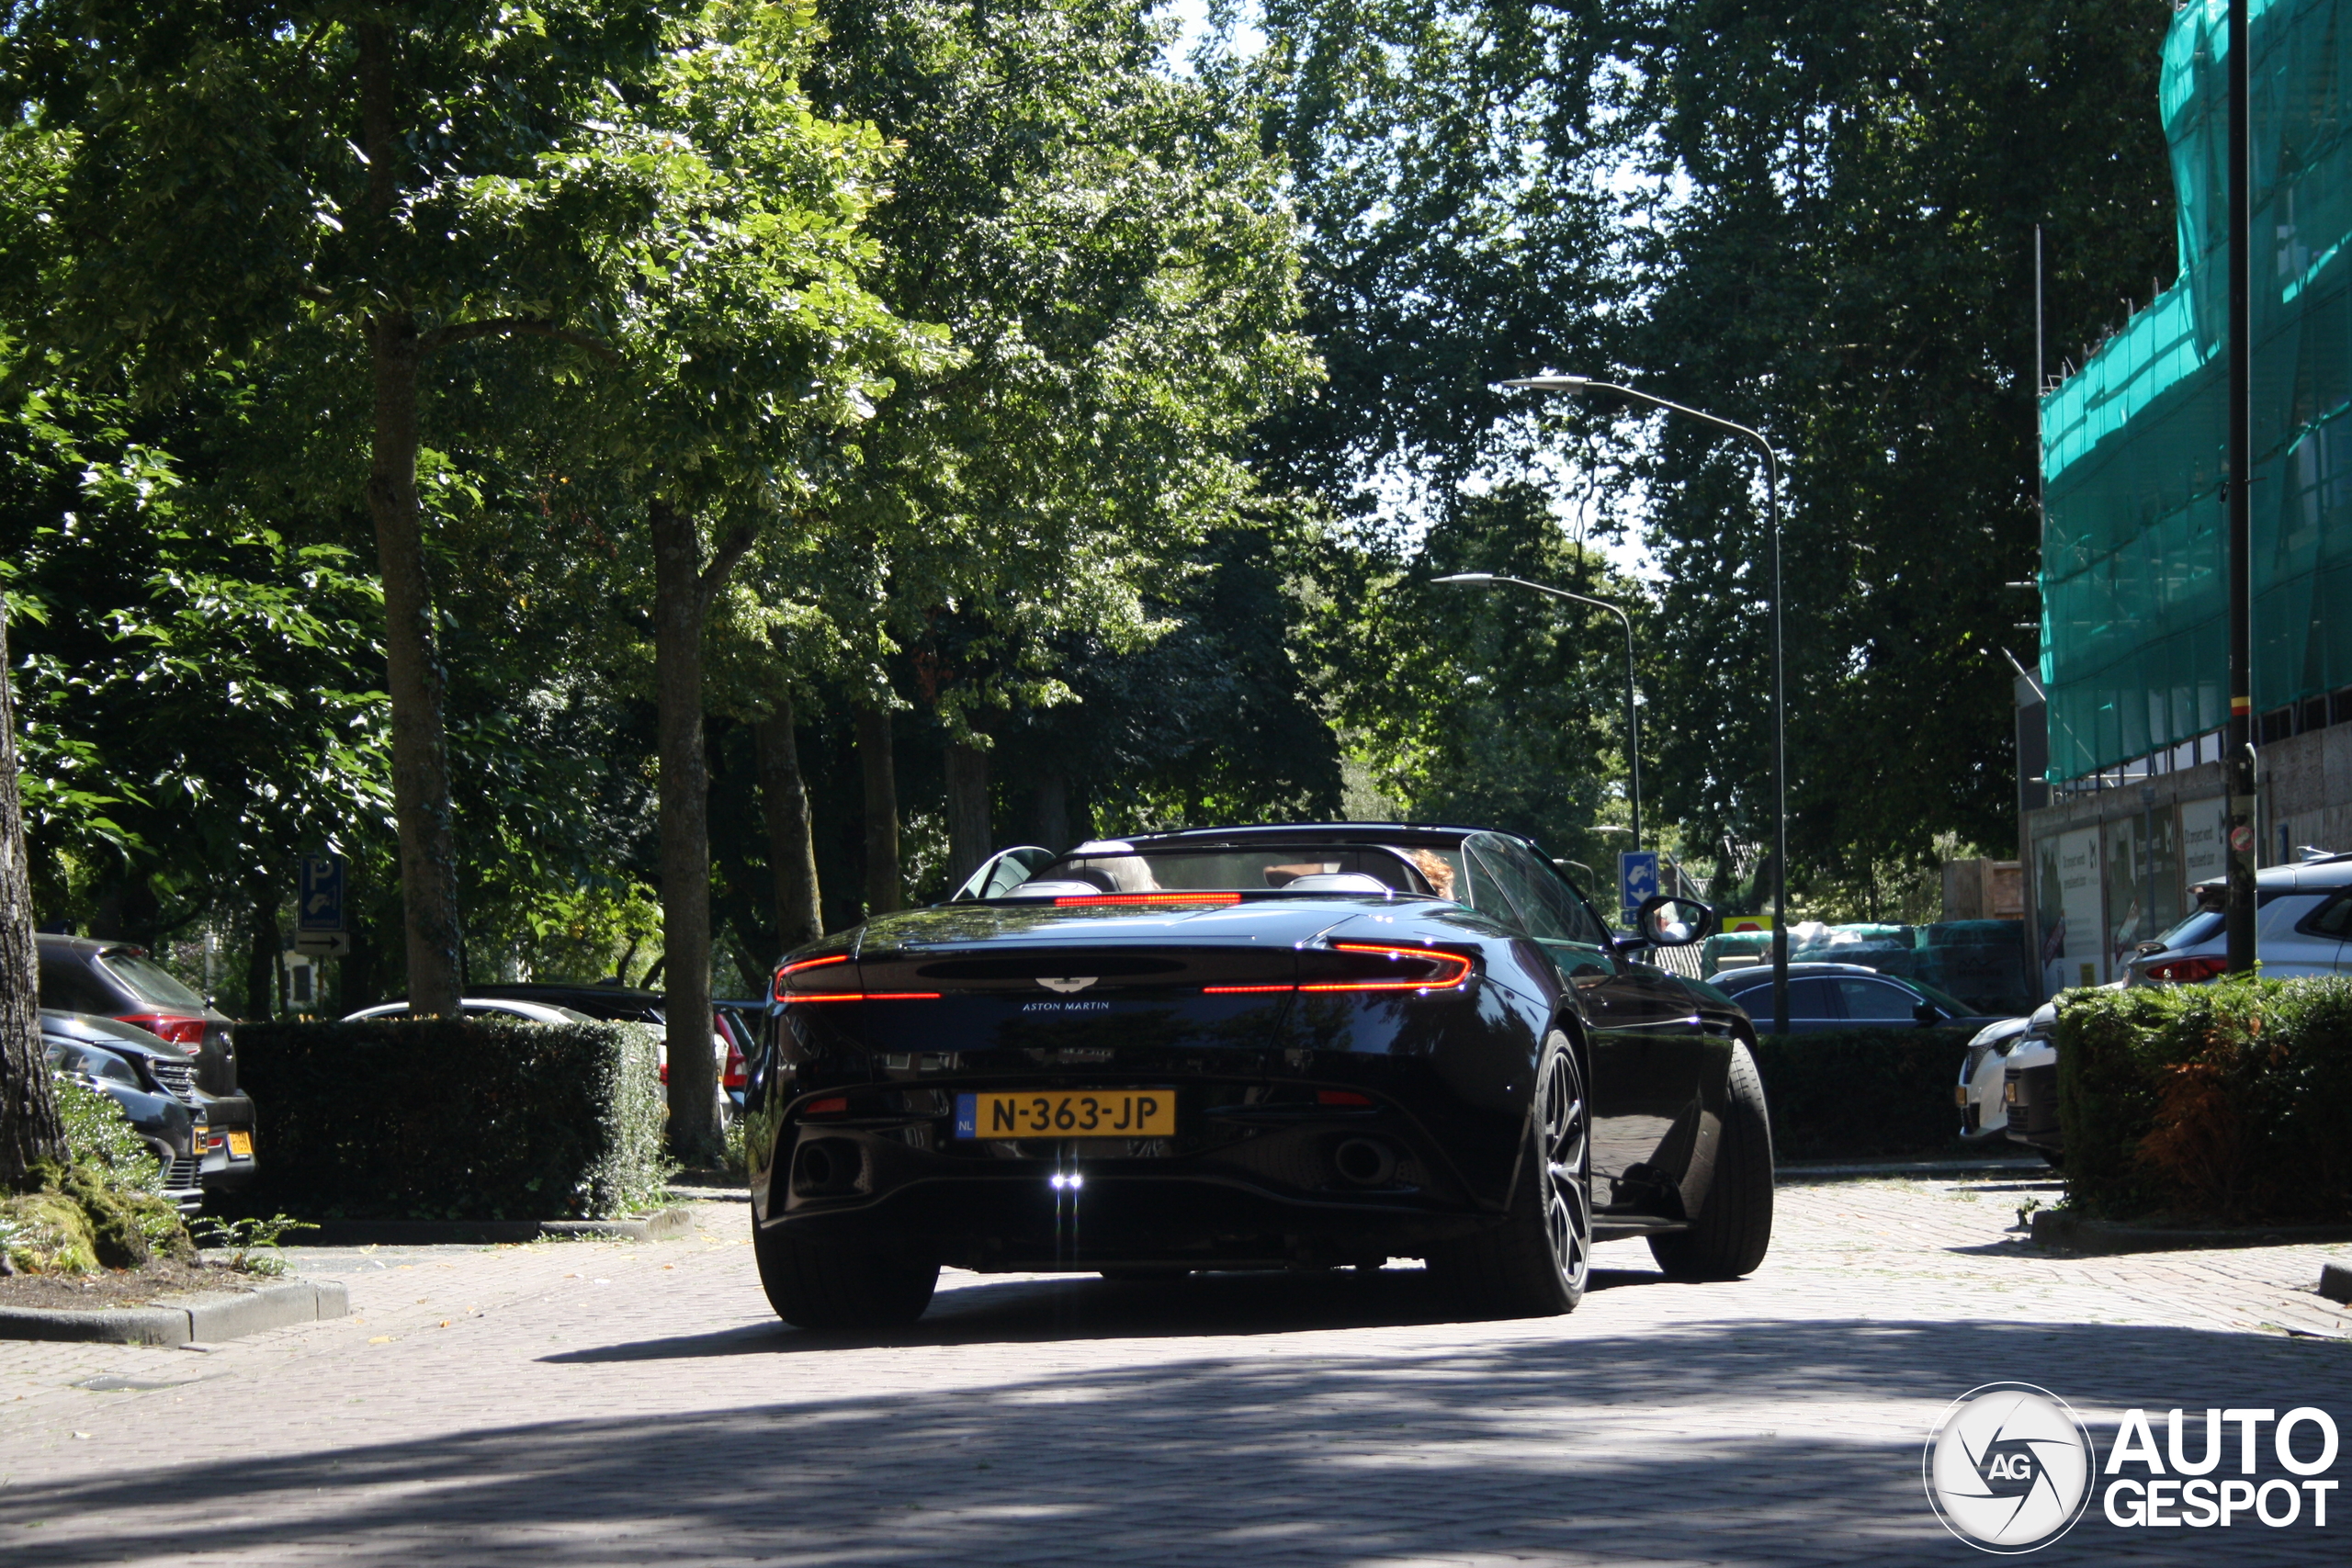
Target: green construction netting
2134	637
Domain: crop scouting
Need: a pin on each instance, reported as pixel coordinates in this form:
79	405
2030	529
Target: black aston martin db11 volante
1251	1048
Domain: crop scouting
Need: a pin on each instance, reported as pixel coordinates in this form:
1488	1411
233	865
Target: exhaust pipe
826	1167
1366	1162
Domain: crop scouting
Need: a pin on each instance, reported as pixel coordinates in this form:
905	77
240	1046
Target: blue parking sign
321	894
1637	879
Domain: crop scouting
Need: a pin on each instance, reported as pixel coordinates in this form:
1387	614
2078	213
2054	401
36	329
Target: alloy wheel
1568	1156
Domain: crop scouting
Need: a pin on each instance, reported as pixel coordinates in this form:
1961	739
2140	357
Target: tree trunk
29	1130
883	893
792	846
970	834
262	950
679	605
1053	813
413	676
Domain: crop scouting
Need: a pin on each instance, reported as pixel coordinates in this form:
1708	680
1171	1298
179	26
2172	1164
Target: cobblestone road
607	1403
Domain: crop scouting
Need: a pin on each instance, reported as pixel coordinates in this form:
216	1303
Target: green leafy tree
360	192
1850	269
744	350
1817	222
1112	255
1496	707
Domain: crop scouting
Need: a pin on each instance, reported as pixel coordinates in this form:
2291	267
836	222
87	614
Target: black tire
1536	1263
824	1287
2054	1159
1733	1229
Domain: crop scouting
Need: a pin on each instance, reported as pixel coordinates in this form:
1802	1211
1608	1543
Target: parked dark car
117	980
1297	1046
734	1024
152	1079
1824	996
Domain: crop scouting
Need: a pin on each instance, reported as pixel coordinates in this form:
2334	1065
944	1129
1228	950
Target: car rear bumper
1284	1196
222	1170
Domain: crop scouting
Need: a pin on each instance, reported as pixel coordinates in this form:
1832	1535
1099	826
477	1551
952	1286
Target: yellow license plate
241	1146
1068	1113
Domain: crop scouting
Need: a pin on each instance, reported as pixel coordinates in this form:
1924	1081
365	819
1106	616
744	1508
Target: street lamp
1633	717
1579	384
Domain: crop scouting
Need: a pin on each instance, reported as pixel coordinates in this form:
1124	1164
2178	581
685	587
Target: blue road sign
1636	878
322	900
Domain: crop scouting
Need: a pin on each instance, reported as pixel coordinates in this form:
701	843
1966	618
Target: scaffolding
2135	632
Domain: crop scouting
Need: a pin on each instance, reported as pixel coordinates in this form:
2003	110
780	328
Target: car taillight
1368	966
177	1028
2188	971
1341	1097
794	984
835	1105
733	1075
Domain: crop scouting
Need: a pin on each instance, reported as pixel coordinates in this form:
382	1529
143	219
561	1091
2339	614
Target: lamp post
1579	384
1633	716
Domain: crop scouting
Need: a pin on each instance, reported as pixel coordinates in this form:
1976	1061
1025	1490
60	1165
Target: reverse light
2188	971
1065	900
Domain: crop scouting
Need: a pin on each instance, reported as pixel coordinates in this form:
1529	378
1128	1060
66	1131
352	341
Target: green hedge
1851	1093
453	1117
2227	1102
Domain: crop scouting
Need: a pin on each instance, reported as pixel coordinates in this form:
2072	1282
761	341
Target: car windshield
1426	869
1945	1001
151	981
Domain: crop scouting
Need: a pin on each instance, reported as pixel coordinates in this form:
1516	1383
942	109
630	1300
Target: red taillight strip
1070	900
1441	983
808	964
860	997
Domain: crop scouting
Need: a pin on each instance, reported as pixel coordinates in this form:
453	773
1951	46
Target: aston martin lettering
1065	1006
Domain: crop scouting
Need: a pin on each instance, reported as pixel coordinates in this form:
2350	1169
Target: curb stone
661	1225
2054	1227
228	1314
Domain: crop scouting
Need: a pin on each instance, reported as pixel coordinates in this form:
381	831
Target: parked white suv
1983	1113
2303	926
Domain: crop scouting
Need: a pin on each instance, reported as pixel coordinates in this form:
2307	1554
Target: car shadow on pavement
1029	1310
1734	1441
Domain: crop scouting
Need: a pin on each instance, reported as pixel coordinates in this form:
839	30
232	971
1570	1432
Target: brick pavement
610	1402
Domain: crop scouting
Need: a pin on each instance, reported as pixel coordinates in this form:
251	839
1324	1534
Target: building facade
2128	708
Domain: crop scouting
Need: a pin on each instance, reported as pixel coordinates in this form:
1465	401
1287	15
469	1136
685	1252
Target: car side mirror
1927	1015
1665	920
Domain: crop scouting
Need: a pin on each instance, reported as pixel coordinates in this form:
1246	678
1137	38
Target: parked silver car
2303	926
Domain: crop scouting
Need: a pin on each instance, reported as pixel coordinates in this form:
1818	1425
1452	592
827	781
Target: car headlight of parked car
95	1068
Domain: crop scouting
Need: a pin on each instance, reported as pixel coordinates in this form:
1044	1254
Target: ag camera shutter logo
2008	1468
